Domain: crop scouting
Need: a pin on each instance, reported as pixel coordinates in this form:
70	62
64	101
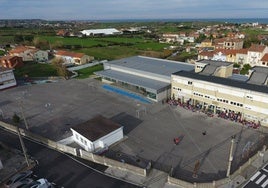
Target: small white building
7	78
97	133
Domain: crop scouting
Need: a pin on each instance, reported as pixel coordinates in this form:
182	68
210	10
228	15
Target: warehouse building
147	76
213	87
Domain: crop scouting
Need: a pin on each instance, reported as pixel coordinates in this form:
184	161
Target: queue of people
229	115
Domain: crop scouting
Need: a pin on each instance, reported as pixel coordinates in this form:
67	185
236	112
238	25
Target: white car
40	183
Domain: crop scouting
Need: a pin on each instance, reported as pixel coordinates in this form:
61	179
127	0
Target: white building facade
7	78
97	134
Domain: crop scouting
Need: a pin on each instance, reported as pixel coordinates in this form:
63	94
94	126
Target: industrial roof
239	77
223	81
152	65
109	31
149	84
259	75
212	65
96	128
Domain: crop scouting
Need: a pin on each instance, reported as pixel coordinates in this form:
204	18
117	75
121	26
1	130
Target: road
61	169
259	179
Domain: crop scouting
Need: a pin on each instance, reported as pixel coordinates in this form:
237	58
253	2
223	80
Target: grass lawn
109	48
86	72
154	46
110	52
36	70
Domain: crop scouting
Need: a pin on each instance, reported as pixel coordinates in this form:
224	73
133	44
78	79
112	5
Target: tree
245	69
16	119
61	68
41	43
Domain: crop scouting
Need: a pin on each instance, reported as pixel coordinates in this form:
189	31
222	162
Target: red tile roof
8	57
206	53
256	48
242	51
265	57
70	54
20	49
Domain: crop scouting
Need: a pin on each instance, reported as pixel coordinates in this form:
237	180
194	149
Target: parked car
21	183
40	183
18	177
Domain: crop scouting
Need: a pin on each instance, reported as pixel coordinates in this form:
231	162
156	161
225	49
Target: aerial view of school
133	104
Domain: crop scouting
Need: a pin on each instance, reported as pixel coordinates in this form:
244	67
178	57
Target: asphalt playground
52	108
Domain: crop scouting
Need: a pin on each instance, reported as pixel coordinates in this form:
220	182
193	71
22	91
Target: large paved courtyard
52	108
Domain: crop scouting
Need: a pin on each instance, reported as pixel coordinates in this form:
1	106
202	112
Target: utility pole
230	157
23	116
16	120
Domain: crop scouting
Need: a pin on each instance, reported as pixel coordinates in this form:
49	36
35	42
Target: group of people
230	115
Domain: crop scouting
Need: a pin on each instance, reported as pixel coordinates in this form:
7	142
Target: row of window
6	75
7	82
222	100
236	104
176	88
81	139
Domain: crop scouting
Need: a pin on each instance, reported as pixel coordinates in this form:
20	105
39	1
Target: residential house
264	60
73	57
241	56
206	43
7	78
40	55
229	43
169	38
97	134
11	61
255	54
22	51
224	55
205	55
29	53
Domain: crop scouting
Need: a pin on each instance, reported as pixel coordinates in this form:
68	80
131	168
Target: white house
255	53
7	78
73	57
97	134
40	56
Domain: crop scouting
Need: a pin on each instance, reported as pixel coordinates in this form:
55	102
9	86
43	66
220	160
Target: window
190	83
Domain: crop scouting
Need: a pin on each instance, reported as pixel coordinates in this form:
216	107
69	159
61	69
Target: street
61	169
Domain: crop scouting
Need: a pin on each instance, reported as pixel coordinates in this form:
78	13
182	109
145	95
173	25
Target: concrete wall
83	154
112	163
213	184
45	141
109	139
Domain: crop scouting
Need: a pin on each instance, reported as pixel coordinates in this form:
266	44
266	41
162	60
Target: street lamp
230	157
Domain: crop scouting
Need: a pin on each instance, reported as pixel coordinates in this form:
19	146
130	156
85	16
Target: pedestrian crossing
259	179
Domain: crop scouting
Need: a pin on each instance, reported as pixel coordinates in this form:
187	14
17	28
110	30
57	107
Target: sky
132	9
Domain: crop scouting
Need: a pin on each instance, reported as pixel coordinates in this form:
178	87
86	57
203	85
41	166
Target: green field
107	47
86	72
36	70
